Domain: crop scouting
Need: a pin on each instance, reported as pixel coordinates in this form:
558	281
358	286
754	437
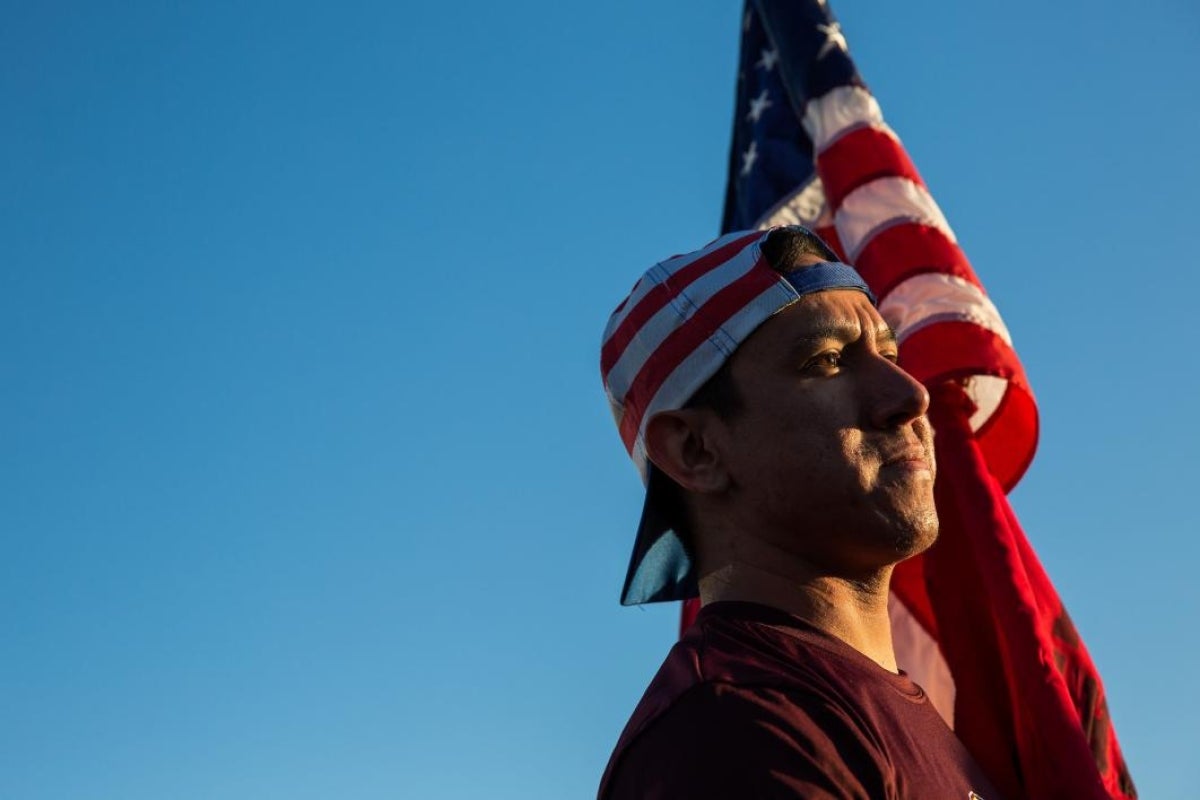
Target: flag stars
758	105
833	38
748	158
770	58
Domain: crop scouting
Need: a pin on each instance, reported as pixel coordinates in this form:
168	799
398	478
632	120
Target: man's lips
912	459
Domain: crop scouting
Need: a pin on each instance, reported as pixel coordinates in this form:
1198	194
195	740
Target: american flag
975	620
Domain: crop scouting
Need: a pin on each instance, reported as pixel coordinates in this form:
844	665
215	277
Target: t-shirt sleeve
720	741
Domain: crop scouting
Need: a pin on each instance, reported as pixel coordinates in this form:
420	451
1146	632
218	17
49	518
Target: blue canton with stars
791	52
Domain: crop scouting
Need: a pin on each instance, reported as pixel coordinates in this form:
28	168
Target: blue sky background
307	484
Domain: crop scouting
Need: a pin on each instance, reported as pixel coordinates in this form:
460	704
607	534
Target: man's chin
917	536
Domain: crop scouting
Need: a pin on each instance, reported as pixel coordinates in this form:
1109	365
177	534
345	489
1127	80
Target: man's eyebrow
842	332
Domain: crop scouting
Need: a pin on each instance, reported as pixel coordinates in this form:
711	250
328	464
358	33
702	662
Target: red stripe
957	349
682	341
1009	439
954	350
859	157
662	294
897	253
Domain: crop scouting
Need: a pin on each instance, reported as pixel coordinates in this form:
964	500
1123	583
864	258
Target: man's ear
684	445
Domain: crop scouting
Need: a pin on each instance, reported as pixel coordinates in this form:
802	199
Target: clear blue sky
307	484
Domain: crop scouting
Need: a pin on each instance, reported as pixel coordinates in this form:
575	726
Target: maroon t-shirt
755	703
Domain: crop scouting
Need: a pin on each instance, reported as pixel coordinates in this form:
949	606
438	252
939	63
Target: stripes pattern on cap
679	324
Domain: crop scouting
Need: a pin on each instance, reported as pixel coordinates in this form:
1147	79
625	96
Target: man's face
831	457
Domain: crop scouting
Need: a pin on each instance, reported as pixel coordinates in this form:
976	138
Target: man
789	467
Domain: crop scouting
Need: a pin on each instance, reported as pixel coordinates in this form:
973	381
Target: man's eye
892	357
824	362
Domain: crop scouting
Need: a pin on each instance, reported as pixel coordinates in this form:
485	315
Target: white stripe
639	458
640	289
880	204
933	297
840	111
806	206
674	314
986	392
709	355
655	274
918	654
936	297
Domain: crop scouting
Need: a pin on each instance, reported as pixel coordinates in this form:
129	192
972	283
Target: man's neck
854	611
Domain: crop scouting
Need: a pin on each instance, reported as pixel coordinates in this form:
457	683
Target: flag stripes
880	204
902	251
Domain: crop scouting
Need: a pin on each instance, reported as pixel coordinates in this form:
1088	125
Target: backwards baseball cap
682	321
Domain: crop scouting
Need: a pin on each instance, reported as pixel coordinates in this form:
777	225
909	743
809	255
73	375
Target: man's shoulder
721	739
733	695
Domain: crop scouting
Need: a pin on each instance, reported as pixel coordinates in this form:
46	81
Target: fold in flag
975	620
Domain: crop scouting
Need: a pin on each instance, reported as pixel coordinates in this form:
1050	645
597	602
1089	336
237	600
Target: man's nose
897	397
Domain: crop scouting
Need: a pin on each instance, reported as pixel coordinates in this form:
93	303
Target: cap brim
660	568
